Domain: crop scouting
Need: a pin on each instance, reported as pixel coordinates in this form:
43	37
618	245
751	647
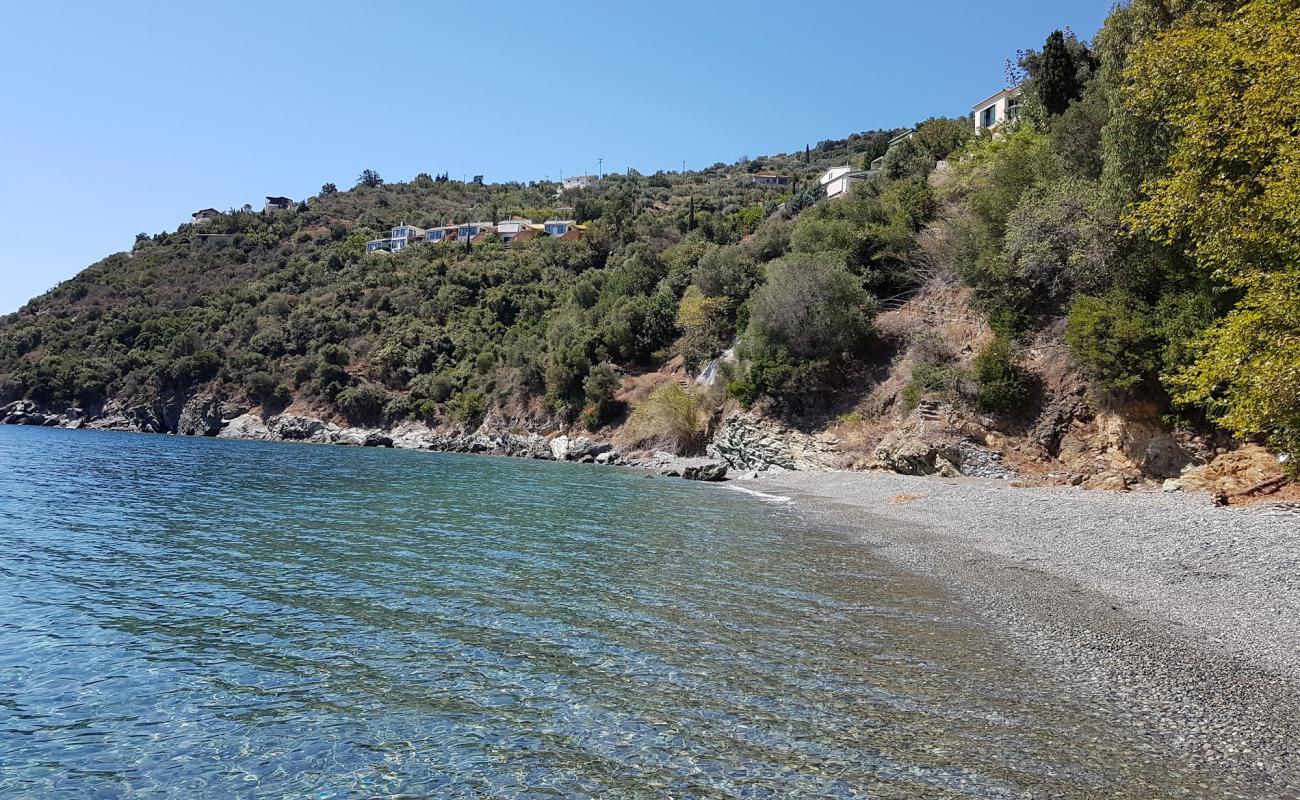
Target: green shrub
1004	387
929	377
364	404
467	406
598	388
812	308
1113	337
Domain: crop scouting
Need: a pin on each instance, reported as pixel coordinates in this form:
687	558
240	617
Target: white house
1001	107
839	180
515	228
581	182
404	235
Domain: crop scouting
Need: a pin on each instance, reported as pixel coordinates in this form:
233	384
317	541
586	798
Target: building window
989	116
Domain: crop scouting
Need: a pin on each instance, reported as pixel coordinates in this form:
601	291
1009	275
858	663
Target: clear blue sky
117	118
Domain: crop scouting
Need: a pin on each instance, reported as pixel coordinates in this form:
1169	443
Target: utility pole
683	166
600	168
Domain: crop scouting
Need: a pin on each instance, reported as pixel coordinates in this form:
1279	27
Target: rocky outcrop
200	416
913	453
29	412
246	426
746	442
146	418
1231	474
581	448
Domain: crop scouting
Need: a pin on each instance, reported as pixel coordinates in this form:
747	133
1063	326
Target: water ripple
184	618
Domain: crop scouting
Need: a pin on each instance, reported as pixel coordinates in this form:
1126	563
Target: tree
1225	88
370	179
1057	80
599	388
1114	337
728	272
328	189
811	307
705	323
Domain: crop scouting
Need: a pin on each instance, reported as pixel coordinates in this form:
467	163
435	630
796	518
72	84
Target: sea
194	618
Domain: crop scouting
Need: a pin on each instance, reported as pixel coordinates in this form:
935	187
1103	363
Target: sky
121	118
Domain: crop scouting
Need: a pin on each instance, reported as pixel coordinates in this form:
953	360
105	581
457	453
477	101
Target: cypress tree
1058	80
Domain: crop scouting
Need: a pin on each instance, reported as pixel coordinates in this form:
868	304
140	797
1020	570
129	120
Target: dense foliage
1148	196
286	305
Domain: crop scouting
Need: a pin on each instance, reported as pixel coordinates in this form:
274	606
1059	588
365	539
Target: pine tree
1058	80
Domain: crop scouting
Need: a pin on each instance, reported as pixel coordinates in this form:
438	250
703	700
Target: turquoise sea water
201	618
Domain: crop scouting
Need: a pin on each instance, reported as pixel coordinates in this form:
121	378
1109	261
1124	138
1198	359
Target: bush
791	382
929	377
812	308
705	323
467	406
1114	338
669	419
599	388
728	272
1004	386
435	388
364	404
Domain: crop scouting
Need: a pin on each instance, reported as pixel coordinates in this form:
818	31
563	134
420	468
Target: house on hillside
379	246
1001	107
404	235
839	180
204	215
278	204
444	233
879	163
516	229
581	182
563	228
772	179
474	231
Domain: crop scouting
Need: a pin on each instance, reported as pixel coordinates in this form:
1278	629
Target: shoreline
1184	616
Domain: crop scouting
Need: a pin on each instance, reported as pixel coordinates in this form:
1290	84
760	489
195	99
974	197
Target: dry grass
669	419
904	499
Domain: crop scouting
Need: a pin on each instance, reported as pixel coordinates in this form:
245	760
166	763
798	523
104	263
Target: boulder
246	426
694	469
910	453
1234	472
709	471
297	429
581	448
377	439
1108	481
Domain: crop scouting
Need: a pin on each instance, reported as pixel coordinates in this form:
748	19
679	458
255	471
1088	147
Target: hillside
1071	290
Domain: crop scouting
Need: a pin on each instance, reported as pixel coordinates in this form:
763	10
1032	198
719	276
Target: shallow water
188	618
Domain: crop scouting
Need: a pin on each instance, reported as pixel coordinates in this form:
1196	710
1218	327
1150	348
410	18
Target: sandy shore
1184	615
